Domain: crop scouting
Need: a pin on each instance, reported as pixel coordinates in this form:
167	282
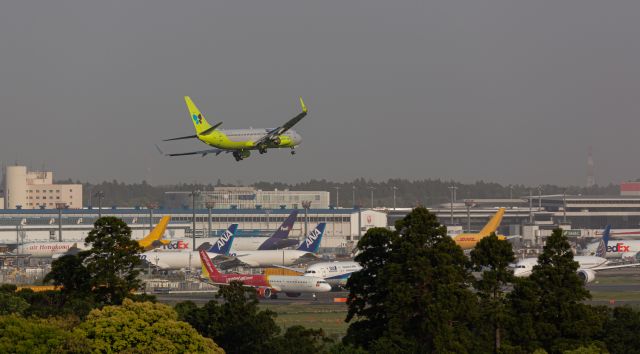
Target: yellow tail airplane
154	238
240	142
469	241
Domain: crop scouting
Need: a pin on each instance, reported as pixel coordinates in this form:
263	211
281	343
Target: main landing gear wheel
293	152
262	151
237	156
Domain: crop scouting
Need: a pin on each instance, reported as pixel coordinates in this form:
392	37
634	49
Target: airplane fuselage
243	139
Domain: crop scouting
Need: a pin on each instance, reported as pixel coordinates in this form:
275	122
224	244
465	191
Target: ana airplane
587	265
304	253
267	285
50	249
278	240
188	259
240	142
469	241
335	273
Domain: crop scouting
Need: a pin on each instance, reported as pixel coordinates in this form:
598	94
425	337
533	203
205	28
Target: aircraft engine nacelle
293	294
245	153
276	141
587	275
285	140
264	293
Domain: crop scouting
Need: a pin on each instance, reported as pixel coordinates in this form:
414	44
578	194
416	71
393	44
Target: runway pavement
202	298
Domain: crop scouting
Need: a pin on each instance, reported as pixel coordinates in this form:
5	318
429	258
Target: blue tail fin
224	243
311	243
604	242
281	233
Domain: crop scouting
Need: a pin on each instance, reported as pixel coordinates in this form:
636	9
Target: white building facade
36	190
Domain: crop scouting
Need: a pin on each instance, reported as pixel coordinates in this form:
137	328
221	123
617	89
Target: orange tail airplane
469	241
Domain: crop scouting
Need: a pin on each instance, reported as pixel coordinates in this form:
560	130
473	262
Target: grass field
328	317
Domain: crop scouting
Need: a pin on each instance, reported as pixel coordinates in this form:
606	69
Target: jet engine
264	293
587	275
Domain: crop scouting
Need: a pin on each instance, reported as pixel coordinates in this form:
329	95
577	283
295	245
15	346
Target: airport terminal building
343	230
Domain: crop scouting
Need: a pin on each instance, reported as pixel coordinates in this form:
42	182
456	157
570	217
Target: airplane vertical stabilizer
281	233
208	269
493	223
224	243
604	242
156	234
311	242
199	122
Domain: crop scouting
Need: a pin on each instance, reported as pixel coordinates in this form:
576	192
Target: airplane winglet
304	108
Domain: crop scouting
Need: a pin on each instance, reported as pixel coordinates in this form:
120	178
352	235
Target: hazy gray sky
500	90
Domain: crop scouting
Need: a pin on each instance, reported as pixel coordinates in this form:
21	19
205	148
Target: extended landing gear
262	150
293	151
237	156
241	155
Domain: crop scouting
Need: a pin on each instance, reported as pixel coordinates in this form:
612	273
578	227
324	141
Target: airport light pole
60	206
564	207
193	195
353	205
530	207
209	206
452	188
150	207
539	198
372	189
469	203
100	195
337	196
394	197
306	204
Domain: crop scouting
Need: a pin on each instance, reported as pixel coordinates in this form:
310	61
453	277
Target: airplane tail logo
224	243
311	243
281	233
604	242
208	269
199	122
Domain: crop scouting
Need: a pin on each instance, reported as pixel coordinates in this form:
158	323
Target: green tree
237	325
548	306
298	339
413	293
21	335
493	256
112	260
142	327
70	273
621	331
10	303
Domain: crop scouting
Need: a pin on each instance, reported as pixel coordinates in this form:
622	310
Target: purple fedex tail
279	238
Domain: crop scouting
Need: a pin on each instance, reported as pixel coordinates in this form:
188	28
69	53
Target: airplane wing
273	133
199	152
297	270
235	262
617	266
306	258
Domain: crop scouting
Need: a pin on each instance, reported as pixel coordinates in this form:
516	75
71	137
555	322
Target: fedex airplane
267	285
189	259
304	253
51	249
278	240
587	265
618	248
240	142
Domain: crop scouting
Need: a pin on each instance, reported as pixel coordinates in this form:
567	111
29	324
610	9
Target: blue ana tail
273	242
604	242
224	243
311	243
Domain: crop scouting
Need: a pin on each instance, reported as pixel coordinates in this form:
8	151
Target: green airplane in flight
240	142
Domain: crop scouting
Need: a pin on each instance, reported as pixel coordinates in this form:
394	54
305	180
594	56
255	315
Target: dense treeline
408	193
417	293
